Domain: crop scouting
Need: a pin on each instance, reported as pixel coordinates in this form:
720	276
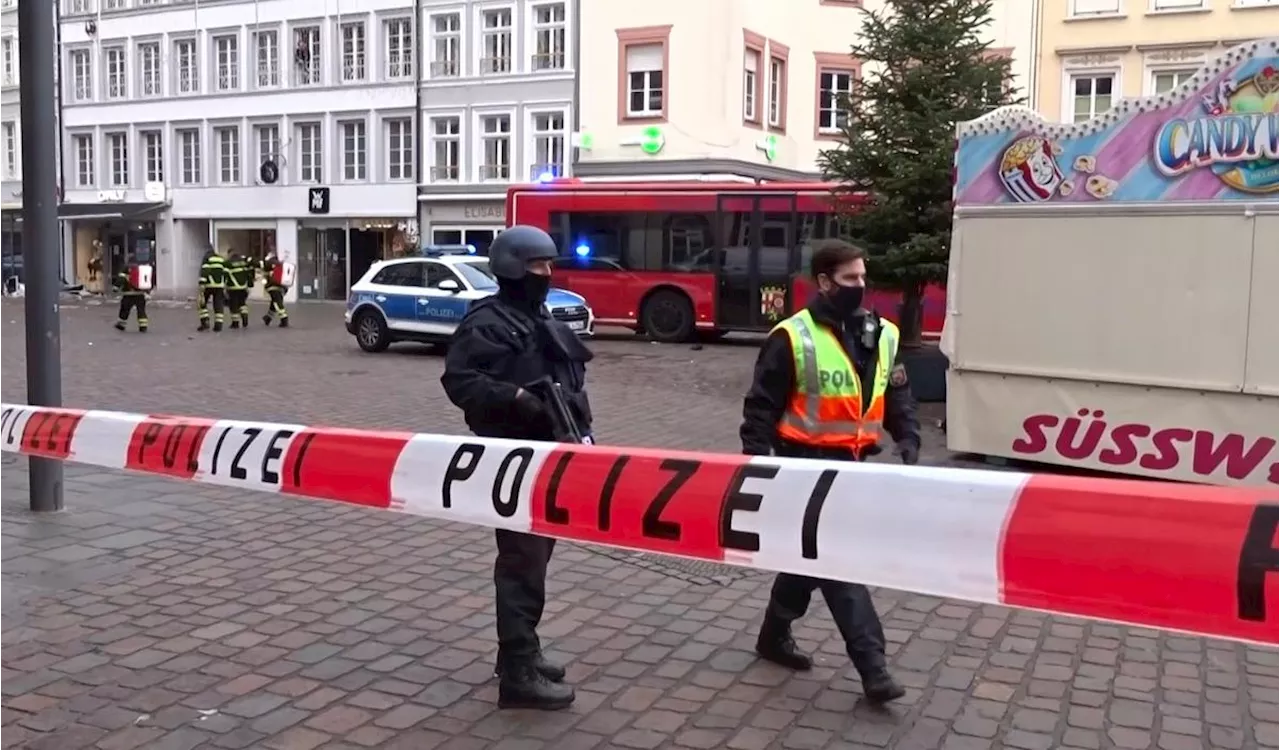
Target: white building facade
285	126
498	91
730	89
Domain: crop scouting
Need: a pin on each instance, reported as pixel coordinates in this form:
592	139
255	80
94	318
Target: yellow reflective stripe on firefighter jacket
213	273
828	407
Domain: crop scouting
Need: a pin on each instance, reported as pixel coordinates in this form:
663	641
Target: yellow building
1093	52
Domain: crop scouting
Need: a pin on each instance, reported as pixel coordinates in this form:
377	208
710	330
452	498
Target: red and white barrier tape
1192	558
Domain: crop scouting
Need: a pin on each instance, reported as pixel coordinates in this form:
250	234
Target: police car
423	298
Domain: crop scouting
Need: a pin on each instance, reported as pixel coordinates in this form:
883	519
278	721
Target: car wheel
668	317
372	333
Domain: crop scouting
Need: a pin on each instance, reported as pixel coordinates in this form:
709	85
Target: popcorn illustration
1029	171
1086	163
1100	187
1066	188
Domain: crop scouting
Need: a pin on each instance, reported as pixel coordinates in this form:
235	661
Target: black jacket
499	347
774	384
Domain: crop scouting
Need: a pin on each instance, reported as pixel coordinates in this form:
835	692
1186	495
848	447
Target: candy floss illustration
1029	169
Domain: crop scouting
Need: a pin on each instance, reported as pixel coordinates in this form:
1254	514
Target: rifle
564	427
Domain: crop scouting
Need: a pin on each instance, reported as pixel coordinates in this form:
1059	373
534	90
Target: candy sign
1236	136
1212	138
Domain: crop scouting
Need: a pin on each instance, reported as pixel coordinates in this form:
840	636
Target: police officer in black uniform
840	270
504	343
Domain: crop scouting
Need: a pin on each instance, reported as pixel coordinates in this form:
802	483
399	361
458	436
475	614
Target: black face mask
536	288
846	299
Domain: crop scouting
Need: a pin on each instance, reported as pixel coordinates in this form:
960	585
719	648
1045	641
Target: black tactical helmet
511	251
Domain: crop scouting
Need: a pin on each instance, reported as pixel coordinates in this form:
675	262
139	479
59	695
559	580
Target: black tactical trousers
520	580
851	607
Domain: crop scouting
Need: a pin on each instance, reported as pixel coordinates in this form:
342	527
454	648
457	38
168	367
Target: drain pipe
419	137
576	109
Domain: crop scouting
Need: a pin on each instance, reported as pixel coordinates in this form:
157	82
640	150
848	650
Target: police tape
1192	558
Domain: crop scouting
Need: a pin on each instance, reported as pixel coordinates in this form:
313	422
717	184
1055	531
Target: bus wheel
668	317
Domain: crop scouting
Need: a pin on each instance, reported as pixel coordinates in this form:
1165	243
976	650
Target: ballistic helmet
511	251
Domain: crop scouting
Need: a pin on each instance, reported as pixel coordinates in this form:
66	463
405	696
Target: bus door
754	264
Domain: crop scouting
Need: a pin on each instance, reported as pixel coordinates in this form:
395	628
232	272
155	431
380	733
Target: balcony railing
495	172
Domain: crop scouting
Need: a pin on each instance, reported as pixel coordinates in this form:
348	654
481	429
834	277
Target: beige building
729	88
1093	52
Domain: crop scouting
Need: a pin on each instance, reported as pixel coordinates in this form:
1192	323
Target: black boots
775	644
525	684
266	320
552	671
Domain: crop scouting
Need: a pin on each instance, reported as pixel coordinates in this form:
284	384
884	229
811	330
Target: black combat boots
775	644
523	685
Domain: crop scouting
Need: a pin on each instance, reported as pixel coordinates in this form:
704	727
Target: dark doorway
366	248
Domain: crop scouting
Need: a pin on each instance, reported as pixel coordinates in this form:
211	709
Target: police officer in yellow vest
827	383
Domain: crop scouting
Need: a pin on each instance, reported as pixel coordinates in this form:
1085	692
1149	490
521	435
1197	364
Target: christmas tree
925	68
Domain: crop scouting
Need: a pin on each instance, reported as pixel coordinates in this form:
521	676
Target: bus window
813	228
689	240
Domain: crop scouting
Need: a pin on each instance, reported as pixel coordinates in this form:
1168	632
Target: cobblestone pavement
155	614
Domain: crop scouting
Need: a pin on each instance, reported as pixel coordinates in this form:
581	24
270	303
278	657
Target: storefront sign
484	211
1212	138
111	196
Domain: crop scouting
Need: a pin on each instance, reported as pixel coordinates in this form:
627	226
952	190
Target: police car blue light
423	298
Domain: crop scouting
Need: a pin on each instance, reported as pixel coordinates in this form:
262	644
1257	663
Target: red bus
675	259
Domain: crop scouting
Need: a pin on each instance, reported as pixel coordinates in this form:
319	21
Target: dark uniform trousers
520	585
129	302
213	297
850	603
851	607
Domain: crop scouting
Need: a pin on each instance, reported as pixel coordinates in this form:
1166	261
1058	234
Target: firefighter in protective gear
504	342
131	298
275	294
213	290
239	279
827	382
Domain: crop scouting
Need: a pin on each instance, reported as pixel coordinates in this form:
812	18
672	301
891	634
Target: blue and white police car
423	298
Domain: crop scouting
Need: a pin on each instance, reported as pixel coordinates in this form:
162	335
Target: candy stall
1112	298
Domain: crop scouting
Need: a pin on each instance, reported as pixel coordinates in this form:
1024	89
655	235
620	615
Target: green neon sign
769	145
652	140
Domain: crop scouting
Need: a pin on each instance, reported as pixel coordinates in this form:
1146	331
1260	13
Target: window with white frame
189	148
548	145
8	47
80	6
81	76
227	139
306	56
354	151
1177	4
353	52
446	148
1094	7
750	81
1168	80
86	167
495	142
1091	95
150	77
644	80
446	45
268	139
227	56
834	89
11	151
777	90
495	44
310	152
1255	3
186	67
549	40
153	155
266	58
115	4
397	36
118	143
399	140
117	73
